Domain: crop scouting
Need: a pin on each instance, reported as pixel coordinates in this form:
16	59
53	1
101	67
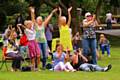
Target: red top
23	40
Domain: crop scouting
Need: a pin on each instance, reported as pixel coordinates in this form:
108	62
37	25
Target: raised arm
67	56
18	26
83	57
49	17
86	24
96	23
60	14
11	33
32	12
69	16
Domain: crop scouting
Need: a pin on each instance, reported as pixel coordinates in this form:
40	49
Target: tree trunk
75	19
98	8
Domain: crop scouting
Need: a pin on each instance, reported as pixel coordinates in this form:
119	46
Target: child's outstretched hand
54	10
69	9
59	8
94	16
32	9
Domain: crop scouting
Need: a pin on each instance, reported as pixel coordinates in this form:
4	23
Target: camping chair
5	58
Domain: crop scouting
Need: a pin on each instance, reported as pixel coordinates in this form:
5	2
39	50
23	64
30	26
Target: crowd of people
33	40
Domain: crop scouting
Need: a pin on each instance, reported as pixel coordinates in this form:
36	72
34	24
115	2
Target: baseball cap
87	14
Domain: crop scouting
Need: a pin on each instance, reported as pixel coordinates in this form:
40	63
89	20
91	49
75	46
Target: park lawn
113	74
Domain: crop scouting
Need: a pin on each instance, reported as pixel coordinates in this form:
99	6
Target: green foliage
90	5
2	18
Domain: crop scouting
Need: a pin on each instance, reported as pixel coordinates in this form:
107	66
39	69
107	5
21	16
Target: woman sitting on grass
59	58
79	62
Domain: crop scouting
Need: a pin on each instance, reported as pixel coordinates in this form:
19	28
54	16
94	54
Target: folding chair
4	58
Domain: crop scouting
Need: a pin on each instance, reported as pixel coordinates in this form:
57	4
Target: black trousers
49	44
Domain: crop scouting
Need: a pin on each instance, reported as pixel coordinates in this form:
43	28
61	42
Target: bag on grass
26	68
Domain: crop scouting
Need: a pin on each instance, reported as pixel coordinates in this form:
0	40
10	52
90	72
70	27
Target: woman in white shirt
34	51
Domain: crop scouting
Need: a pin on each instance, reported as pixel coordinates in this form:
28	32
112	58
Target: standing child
65	38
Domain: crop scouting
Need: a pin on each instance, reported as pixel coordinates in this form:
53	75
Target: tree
98	8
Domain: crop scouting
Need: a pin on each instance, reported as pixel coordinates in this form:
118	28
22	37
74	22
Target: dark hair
58	45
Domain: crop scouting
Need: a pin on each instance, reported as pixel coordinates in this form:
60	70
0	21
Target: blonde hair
102	35
27	22
39	18
62	18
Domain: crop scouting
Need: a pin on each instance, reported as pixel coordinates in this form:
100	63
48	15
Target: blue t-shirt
57	60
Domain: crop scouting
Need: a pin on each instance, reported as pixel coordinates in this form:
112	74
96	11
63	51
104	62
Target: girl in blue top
59	58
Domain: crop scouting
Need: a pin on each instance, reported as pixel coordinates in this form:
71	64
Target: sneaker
12	70
73	70
67	70
51	69
108	68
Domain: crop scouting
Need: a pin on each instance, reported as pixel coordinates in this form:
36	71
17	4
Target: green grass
113	74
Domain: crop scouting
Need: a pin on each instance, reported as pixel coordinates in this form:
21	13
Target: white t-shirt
108	16
30	33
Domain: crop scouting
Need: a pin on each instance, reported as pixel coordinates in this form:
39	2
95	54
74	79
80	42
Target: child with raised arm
65	38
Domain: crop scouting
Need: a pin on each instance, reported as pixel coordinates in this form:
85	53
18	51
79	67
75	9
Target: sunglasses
89	16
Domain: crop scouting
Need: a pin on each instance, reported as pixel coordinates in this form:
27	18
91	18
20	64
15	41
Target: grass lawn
113	74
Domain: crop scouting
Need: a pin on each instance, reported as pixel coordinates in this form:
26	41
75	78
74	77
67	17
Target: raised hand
69	16
69	9
54	10
32	9
94	16
59	9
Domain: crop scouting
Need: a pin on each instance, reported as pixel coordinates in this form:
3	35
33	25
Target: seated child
104	44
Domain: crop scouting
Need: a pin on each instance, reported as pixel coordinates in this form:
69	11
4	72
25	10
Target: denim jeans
43	49
86	67
24	51
89	46
105	48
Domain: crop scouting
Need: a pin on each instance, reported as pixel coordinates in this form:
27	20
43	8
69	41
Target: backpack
49	66
26	68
